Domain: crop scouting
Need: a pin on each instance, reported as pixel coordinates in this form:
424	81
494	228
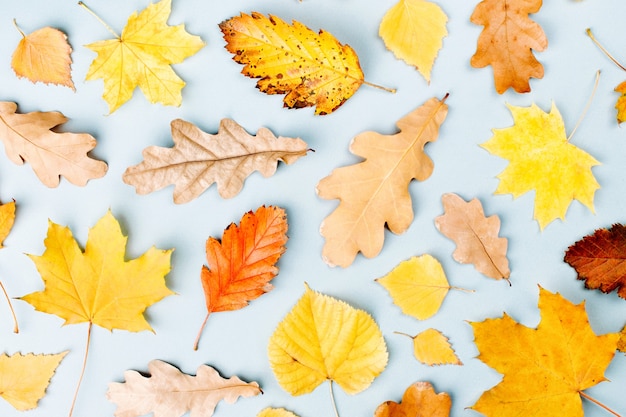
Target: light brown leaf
475	235
170	393
28	138
419	400
199	159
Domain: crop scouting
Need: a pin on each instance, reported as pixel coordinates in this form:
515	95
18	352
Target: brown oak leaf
419	399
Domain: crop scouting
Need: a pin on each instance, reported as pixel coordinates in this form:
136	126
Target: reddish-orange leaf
242	265
419	400
600	259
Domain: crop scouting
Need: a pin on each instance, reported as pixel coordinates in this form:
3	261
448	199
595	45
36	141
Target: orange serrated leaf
419	399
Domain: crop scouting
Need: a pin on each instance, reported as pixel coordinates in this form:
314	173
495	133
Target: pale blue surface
235	342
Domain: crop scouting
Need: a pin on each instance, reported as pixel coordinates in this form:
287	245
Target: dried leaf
600	259
374	193
141	57
324	339
542	159
620	105
275	412
25	378
418	286
170	393
621	343
44	56
243	264
431	347
199	159
545	369
311	69
7	218
507	41
29	138
419	399
475	235
414	30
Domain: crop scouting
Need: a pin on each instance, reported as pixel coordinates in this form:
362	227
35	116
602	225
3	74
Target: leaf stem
18	28
332	397
197	341
598	403
380	87
82	373
462	289
16	328
404	334
84	6
582	116
593	38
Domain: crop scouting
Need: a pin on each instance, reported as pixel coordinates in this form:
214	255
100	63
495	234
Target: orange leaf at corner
545	369
419	399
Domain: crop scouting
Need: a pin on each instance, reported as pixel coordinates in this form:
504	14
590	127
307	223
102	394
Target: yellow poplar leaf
374	193
547	368
418	286
324	339
275	412
414	30
542	159
431	347
620	106
419	400
7	218
141	56
311	69
25	378
44	56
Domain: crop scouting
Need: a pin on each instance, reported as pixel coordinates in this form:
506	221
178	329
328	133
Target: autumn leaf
25	378
542	159
98	286
475	235
44	56
141	57
431	347
414	30
545	369
419	399
7	218
600	259
30	138
507	41
242	265
621	343
311	69
418	286
324	339
374	193
275	412
199	159
170	393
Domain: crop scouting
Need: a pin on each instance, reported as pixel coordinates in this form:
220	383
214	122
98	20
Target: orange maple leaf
419	399
242	265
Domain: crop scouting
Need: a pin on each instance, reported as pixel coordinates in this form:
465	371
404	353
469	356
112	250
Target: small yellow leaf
621	343
275	412
620	105
25	378
431	347
323	339
418	286
7	218
414	30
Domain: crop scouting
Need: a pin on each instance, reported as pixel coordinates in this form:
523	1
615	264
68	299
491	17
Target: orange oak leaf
199	159
243	264
476	236
374	192
419	399
44	56
29	138
507	41
600	259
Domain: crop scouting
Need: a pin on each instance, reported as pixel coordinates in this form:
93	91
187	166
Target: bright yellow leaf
25	378
275	412
542	159
547	368
322	339
431	347
418	286
620	105
414	30
142	56
7	218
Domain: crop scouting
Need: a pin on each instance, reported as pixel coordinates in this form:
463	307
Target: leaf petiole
582	115
16	328
197	341
593	38
18	28
332	397
82	373
84	6
598	403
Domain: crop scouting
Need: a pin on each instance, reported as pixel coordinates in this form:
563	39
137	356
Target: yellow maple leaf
545	369
141	56
542	159
431	347
418	286
324	339
275	412
25	378
414	30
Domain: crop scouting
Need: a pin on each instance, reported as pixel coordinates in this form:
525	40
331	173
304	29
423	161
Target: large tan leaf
170	393
29	138
199	159
374	192
419	400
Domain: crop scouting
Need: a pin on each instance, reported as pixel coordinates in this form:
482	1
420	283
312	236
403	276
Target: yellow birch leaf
44	56
431	347
7	218
324	339
418	286
141	57
542	159
275	412
414	30
25	378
